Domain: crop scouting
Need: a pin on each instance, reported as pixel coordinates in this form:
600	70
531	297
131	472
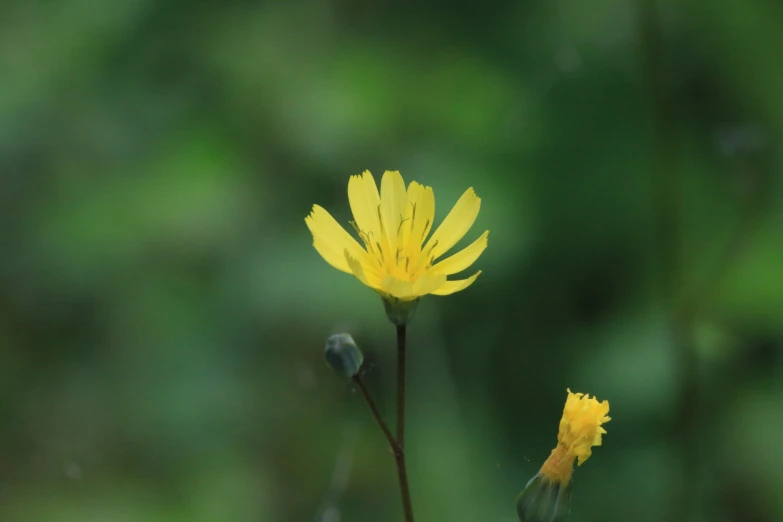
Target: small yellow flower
580	430
395	261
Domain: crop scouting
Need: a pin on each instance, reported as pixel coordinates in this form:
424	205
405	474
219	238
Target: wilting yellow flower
395	261
580	430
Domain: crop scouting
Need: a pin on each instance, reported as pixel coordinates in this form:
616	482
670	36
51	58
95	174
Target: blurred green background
163	311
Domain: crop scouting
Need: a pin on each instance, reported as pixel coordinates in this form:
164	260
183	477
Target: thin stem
399	456
402	475
396	445
376	413
401	386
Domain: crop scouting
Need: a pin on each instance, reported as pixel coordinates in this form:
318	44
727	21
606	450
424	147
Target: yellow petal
330	256
455	226
462	259
407	217
393	202
421	212
428	283
397	288
455	286
357	269
364	200
330	239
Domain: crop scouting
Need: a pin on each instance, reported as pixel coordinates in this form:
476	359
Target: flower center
398	255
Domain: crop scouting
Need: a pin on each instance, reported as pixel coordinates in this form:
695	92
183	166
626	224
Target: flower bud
343	355
544	500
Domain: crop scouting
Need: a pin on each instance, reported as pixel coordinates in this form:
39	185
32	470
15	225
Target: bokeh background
163	312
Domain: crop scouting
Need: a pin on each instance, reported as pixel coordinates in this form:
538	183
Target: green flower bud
343	355
399	311
544	500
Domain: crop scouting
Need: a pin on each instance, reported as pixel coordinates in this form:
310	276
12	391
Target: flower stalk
400	455
397	444
376	414
397	257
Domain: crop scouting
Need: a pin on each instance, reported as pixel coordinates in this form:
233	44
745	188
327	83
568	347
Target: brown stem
376	413
396	445
402	475
400	455
401	386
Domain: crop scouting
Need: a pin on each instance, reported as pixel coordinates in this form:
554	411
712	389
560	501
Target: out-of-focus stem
667	210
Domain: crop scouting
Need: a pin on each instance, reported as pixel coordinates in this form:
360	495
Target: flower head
547	496
580	430
393	224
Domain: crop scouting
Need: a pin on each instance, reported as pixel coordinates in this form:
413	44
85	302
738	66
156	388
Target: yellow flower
394	260
580	430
